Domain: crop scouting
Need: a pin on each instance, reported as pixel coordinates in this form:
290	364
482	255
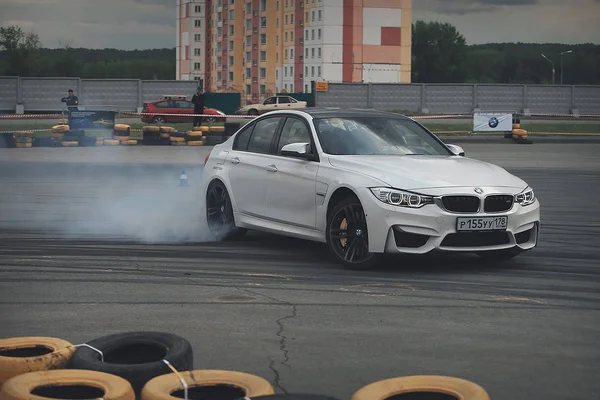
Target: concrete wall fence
44	94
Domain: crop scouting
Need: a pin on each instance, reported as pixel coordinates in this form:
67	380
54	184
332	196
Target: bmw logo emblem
478	190
493	122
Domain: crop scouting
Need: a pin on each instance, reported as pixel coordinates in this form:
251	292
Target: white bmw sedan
365	183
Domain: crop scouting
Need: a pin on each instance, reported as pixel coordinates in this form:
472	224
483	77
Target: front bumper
431	228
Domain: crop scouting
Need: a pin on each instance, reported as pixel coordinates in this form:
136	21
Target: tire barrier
206	384
135	356
423	387
67	384
111	142
30	354
7	141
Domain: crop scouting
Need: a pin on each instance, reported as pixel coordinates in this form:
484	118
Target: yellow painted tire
195	133
14	353
63	122
167	129
99	141
122	128
519	132
129	142
23	139
58	134
217	129
200	128
178	144
459	388
49	384
23	145
177	139
111	142
70	144
151	129
196	143
165	135
60	128
162	387
516	126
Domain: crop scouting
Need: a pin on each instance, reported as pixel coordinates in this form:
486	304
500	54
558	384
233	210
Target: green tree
21	51
438	53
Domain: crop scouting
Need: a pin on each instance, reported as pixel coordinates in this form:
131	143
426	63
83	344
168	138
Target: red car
176	105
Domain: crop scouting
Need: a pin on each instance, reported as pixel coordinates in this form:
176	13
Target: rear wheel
159	119
253	111
219	213
348	237
210	120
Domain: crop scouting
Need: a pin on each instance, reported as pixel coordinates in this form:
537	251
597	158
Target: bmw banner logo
493	122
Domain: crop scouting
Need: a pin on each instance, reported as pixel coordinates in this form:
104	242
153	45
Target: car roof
333	112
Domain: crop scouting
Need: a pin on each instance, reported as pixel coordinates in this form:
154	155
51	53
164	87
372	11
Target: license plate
470	224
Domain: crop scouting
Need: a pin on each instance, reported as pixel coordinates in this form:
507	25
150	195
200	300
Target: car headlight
399	198
527	197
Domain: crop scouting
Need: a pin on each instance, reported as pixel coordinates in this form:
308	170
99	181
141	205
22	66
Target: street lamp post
561	64
553	69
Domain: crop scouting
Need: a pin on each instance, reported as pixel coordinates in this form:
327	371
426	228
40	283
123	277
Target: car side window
294	131
262	137
243	138
284	100
162	104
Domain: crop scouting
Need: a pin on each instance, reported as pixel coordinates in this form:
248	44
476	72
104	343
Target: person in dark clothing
71	100
198	101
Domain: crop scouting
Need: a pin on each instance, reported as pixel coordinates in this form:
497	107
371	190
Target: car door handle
235	160
271	168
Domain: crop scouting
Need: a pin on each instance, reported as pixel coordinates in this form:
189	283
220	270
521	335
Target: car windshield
377	135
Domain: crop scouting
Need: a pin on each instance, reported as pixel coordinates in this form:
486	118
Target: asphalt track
101	240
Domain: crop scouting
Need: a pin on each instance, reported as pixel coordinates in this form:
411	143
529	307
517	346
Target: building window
306	53
285	72
319	52
230	60
263	72
231	15
263	89
277	8
231	29
312	71
219	75
248	8
263	56
263	22
306	16
263	38
312	51
198	23
276	74
248	24
313	34
285	54
307	34
248	72
319	36
263	5
319	71
277	39
197	37
231	75
248	56
291	54
320	14
248	89
286	37
248	40
198	9
292	36
305	88
276	57
306	71
196	66
291	71
292	19
197	52
231	45
286	19
313	15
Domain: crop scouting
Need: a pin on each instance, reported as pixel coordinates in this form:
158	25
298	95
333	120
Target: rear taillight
206	158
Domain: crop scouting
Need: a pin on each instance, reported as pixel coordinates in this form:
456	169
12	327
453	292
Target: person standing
71	100
198	101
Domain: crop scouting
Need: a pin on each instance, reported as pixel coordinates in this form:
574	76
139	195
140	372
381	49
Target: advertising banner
492	122
91	120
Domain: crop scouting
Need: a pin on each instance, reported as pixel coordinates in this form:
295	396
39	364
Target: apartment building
261	47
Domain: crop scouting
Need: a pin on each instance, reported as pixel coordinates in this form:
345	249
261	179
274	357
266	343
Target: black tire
219	213
253	111
499	255
135	356
159	119
351	250
210	120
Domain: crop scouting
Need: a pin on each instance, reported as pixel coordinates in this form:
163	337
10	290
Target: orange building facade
261	47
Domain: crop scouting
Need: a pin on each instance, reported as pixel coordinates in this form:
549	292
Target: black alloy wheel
219	212
159	119
348	237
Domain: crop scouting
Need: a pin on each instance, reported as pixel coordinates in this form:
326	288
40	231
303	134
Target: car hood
428	172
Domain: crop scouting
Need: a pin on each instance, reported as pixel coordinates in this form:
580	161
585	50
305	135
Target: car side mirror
299	150
457	150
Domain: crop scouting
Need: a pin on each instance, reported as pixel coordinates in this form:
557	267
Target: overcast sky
130	24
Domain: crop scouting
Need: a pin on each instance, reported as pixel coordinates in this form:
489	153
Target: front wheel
348	237
159	119
219	213
211	120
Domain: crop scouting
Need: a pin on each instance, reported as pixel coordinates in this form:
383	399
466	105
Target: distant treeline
439	55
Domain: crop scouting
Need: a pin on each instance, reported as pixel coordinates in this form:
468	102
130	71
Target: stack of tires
175	138
517	133
152	136
197	136
72	138
58	131
23	141
216	135
122	133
